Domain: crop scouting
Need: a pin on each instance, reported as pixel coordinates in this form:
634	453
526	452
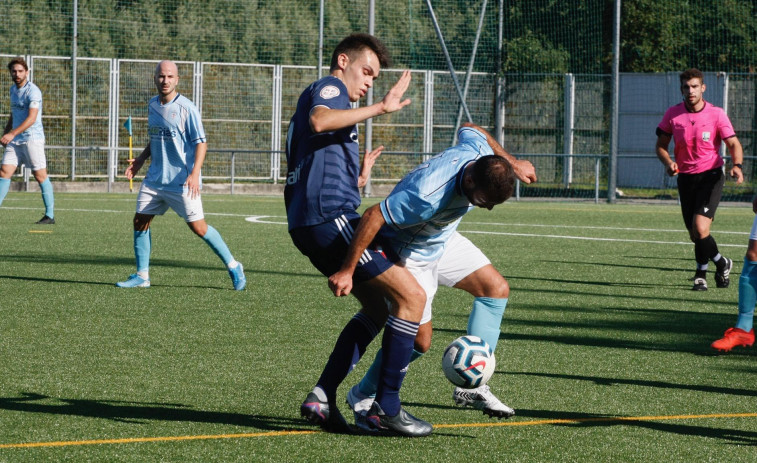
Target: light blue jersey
175	129
22	99
425	208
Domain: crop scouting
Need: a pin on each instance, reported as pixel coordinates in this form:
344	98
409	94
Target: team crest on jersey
705	136
328	92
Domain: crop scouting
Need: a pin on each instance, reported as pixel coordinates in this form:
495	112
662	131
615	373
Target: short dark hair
495	176
692	73
18	60
357	42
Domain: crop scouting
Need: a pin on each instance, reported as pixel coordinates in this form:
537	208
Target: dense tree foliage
542	36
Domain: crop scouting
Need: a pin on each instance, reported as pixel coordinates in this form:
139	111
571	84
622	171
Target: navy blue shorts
326	247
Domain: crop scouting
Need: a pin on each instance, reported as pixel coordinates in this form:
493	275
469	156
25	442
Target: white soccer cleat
481	398
134	281
360	404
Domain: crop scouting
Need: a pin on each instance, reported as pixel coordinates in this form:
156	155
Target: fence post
596	180
428	113
276	110
568	127
233	160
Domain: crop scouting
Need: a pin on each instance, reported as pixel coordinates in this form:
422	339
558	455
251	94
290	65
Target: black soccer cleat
722	274
45	221
325	415
700	284
403	424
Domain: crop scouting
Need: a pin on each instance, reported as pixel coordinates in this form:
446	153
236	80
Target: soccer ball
468	362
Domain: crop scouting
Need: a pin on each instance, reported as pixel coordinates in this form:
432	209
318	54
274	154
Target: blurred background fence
538	73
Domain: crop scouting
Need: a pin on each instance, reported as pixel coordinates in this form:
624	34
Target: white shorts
460	259
157	202
30	153
753	234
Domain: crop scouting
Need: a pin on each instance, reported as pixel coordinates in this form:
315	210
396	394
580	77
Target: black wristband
739	166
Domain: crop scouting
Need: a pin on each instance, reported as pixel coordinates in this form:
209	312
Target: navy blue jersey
322	168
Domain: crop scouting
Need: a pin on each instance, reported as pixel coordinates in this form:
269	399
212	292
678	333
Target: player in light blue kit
24	138
177	147
423	212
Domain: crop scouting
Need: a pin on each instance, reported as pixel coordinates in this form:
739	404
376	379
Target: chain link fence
539	79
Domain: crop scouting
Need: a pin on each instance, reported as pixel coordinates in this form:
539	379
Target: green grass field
604	351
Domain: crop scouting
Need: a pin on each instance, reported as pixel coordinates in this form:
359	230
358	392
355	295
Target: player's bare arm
193	180
8	127
661	149
737	157
372	220
367	165
136	163
323	119
10	133
523	169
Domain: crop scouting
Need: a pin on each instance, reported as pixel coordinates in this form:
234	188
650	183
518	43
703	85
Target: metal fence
558	121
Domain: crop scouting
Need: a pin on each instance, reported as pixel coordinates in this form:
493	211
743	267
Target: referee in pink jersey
697	129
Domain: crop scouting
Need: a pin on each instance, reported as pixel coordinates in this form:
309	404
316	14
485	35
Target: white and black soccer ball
468	362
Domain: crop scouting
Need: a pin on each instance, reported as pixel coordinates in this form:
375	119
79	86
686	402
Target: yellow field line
40	231
132	440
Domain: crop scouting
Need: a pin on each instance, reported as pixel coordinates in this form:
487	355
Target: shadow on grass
587	420
594	264
643	383
140	412
692	344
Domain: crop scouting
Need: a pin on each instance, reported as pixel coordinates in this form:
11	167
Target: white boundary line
272	219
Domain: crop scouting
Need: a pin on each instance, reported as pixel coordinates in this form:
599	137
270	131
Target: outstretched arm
523	169
323	119
372	220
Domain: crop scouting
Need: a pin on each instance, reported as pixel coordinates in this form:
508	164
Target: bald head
166	79
167	65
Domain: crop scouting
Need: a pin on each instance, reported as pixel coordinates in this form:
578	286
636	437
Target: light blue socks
216	243
485	318
5	184
747	295
142	247
48	198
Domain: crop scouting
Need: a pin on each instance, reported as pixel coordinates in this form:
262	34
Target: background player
24	137
322	197
423	212
742	333
697	127
177	146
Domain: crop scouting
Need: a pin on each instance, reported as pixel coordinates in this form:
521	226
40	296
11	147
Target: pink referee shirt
697	136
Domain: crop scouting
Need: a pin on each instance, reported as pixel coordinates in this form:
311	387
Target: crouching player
421	215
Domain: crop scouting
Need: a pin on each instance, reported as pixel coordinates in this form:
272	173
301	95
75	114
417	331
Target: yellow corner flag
127	125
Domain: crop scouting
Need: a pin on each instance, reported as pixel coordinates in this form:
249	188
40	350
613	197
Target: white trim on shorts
30	153
151	201
459	259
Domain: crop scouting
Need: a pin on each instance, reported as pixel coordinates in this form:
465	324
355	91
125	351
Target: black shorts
700	194
326	247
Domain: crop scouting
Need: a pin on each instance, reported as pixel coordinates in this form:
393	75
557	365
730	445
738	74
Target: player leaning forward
420	219
697	127
177	146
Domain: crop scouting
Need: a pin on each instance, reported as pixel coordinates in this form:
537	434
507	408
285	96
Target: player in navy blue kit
322	196
422	214
177	147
